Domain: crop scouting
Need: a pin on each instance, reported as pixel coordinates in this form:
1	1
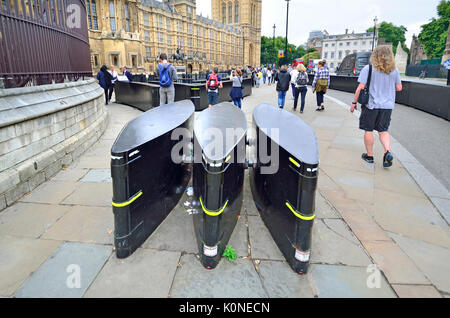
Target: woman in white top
269	76
114	75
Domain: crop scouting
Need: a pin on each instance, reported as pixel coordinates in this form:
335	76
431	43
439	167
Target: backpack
322	85
164	77
213	82
302	79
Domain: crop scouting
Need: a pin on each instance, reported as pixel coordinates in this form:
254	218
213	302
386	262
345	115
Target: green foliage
434	34
392	34
311	56
230	254
270	48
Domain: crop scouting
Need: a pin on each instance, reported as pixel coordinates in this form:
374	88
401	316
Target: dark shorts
375	119
213	98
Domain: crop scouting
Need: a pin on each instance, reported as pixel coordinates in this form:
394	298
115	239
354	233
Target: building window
96	63
326	55
92	14
169	39
236	13
189	28
127	18
134	61
190	42
146	21
115	59
230	13
159	21
326	45
180	41
112	16
146	36
168	24
340	54
332	65
341	44
332	55
148	51
160	37
355	43
224	14
333	44
179	26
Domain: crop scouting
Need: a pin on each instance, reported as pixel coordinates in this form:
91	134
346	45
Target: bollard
218	177
285	197
195	96
147	183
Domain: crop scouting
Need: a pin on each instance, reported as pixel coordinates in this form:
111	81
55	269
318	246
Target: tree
311	56
392	34
270	48
433	35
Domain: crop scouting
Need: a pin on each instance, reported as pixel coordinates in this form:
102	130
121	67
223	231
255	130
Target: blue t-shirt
382	87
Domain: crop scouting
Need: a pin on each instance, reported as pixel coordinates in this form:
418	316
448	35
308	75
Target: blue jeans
293	89
281	98
237	102
300	91
264	79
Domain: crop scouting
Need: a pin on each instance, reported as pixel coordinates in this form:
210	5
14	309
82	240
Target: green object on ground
230	254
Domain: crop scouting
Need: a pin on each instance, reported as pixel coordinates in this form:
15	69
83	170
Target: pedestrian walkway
365	215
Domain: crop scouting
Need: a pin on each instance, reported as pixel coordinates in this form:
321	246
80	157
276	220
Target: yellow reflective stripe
294	162
213	213
305	218
134	198
228	159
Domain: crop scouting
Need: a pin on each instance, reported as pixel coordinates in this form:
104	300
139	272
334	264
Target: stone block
35	181
16	193
53	169
8	179
416	291
7	132
51	192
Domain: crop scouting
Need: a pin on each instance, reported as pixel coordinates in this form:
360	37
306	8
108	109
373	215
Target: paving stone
358	185
324	209
84	224
19	258
248	204
341	228
443	205
53	278
396	180
347	161
325	183
262	244
333	281
398	268
348	143
98	175
325	134
175	233
51	192
70	174
280	281
144	274
228	280
92	194
433	261
411	216
364	227
238	239
30	219
416	291
93	162
329	247
327	122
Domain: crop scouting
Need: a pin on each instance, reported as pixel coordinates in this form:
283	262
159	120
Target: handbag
321	85
363	98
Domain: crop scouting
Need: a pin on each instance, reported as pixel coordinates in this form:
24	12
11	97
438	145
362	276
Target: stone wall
42	129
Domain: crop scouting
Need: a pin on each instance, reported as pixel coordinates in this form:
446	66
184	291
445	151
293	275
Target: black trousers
106	95
319	96
110	91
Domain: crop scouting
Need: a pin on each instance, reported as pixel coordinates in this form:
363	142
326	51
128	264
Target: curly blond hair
383	59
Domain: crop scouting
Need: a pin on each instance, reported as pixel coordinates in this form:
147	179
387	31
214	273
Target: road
425	136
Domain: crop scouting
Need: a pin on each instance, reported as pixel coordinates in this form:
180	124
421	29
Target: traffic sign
280	54
447	64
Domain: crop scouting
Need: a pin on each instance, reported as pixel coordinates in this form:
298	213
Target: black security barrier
284	188
145	96
429	97
147	182
218	177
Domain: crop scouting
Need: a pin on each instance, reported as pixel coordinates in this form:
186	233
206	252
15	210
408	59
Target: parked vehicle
353	64
296	62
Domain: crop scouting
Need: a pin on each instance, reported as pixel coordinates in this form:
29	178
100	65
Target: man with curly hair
376	115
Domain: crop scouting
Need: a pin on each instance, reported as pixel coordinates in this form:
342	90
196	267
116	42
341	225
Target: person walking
114	76
258	78
321	84
274	73
283	79
269	76
213	84
382	79
301	83
105	81
236	91
264	74
167	74
253	77
294	73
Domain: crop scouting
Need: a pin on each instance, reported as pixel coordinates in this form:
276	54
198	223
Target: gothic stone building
134	32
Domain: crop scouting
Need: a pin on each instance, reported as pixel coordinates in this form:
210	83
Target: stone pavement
365	215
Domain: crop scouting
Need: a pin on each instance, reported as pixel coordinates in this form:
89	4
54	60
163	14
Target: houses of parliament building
134	32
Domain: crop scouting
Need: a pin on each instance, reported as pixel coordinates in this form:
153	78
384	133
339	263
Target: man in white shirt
114	76
294	74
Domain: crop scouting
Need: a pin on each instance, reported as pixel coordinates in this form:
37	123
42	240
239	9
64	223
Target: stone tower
244	14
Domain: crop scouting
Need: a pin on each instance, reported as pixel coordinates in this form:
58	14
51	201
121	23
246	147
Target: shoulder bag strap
369	77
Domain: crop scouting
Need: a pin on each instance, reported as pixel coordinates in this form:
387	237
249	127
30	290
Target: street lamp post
374	32
287	27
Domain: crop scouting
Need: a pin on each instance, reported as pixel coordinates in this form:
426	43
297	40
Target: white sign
447	64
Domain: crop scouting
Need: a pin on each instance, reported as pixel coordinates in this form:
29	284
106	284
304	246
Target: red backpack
213	82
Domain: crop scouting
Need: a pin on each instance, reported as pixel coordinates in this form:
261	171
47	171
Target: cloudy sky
336	16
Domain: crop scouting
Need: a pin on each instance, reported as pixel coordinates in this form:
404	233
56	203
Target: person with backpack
213	84
283	79
274	73
321	84
105	81
378	84
301	81
236	91
167	74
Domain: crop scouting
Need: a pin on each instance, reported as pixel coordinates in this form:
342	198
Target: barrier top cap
223	121
152	124
295	136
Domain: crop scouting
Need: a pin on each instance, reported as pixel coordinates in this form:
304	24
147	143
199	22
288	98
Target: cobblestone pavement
365	215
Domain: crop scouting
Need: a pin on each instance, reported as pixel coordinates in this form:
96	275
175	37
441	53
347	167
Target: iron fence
43	41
